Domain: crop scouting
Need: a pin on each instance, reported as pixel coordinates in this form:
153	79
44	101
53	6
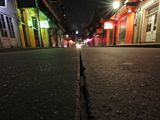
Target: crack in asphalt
84	102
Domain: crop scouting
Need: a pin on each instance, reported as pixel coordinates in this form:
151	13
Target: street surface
122	83
38	84
117	84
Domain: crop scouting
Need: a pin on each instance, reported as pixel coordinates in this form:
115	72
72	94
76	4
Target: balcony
26	3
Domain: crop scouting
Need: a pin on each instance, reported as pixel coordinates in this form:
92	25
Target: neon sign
44	24
108	25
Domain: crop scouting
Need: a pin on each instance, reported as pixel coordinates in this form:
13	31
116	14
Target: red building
123	21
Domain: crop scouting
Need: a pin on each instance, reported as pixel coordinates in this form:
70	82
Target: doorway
25	35
36	38
111	37
122	31
151	24
36	32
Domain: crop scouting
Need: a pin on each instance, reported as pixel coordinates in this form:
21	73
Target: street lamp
77	32
116	4
67	36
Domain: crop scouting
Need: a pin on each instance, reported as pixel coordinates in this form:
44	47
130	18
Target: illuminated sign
44	24
108	25
3	3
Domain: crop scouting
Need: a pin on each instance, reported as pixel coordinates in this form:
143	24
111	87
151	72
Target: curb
23	49
18	49
133	45
145	46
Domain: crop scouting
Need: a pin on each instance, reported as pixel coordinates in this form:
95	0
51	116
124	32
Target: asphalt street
122	83
116	84
39	84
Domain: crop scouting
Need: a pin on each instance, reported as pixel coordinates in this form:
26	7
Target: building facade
56	8
46	26
147	23
40	23
29	27
136	22
9	31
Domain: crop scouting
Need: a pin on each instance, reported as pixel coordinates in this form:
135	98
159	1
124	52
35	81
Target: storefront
125	25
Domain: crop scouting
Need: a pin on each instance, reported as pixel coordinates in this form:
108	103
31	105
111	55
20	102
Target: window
3	28
10	27
148	28
149	24
3	3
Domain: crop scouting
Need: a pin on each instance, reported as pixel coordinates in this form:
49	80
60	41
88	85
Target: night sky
80	11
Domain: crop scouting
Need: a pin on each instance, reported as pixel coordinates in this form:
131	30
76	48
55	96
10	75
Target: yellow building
29	27
38	24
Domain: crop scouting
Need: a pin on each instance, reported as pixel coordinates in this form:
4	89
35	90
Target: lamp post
116	5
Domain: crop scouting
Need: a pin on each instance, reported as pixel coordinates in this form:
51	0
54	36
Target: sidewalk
147	45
